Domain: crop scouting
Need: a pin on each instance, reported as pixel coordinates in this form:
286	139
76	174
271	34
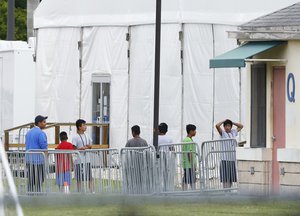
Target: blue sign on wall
290	87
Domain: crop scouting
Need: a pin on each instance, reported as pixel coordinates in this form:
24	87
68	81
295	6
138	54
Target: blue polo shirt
35	139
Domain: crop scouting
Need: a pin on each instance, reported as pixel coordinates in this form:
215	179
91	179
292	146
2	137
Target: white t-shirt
229	147
231	135
81	140
164	139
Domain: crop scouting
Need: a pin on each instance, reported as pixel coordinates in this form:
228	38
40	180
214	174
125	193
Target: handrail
19	127
56	126
53	124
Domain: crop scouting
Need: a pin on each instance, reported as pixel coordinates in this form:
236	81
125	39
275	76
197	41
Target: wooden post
6	140
97	132
57	131
105	134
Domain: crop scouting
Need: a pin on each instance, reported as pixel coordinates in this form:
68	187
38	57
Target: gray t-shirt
81	140
136	142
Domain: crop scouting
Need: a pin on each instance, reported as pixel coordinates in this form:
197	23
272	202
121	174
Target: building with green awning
270	52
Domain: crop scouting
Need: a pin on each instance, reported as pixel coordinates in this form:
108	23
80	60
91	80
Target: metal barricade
9	202
60	170
138	170
100	171
28	169
178	168
219	164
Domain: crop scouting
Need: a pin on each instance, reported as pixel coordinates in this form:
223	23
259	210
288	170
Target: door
101	107
258	105
278	90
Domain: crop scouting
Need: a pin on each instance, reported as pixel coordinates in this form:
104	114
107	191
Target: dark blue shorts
189	176
83	172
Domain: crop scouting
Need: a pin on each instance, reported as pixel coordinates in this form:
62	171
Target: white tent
190	91
77	13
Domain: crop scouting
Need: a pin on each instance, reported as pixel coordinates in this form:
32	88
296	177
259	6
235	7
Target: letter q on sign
290	87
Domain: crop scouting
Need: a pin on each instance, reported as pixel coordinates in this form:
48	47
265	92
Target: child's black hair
227	122
190	127
63	136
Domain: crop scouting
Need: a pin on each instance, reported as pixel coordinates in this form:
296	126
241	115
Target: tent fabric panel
104	52
142	80
57	77
170	99
227	92
198	79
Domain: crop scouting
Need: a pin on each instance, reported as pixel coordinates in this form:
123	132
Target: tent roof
75	13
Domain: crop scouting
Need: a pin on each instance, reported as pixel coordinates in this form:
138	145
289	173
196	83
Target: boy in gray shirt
136	141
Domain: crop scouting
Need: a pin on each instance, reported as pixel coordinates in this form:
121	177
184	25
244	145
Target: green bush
20	20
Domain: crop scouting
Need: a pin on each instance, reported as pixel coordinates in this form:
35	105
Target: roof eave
264	35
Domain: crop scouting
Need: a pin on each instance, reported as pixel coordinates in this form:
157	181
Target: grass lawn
85	205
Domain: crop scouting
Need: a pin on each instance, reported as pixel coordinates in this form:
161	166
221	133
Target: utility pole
157	72
10	20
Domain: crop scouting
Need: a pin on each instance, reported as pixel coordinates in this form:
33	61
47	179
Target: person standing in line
64	165
167	158
189	158
36	139
162	137
132	164
82	141
136	141
228	166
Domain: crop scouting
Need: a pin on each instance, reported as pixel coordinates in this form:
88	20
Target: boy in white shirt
162	137
227	166
228	132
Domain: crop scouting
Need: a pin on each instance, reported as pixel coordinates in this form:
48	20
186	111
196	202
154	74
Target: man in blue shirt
36	139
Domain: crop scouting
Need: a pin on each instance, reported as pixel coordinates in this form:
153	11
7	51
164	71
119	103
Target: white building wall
292	54
17	88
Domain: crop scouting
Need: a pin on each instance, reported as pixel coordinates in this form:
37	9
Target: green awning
237	56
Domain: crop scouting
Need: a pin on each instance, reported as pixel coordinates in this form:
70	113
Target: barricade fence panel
28	170
179	168
100	171
219	164
60	170
9	202
138	170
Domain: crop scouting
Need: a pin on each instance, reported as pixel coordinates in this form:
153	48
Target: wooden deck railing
56	126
